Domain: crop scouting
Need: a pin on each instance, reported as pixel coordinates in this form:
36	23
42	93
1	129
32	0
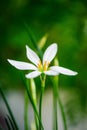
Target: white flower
39	67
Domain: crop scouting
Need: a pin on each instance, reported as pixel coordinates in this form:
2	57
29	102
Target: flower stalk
43	78
26	112
33	95
55	105
63	113
55	98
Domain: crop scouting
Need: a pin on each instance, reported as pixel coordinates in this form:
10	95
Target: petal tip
75	73
26	76
9	60
26	46
55	44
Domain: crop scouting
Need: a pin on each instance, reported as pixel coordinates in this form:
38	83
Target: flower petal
63	70
22	65
32	56
50	53
33	74
51	72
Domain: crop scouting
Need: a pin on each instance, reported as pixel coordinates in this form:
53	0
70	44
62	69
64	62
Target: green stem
26	112
41	97
31	100
34	107
63	113
55	126
40	107
9	110
34	98
55	97
36	121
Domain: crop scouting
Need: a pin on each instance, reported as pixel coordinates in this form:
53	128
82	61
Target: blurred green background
65	22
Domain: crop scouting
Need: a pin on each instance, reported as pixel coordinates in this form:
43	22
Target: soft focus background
63	22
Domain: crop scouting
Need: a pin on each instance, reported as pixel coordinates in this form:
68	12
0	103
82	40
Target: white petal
33	74
50	53
22	65
32	56
51	72
63	70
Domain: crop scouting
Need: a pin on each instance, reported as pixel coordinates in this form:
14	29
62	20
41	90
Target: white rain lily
39	67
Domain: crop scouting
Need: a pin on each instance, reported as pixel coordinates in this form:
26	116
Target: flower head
38	67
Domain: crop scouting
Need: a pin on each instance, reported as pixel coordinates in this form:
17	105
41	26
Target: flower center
43	67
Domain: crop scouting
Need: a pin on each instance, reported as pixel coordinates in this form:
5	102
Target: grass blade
31	36
11	122
8	108
7	123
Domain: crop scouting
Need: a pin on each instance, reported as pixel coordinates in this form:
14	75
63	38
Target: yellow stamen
45	66
39	65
